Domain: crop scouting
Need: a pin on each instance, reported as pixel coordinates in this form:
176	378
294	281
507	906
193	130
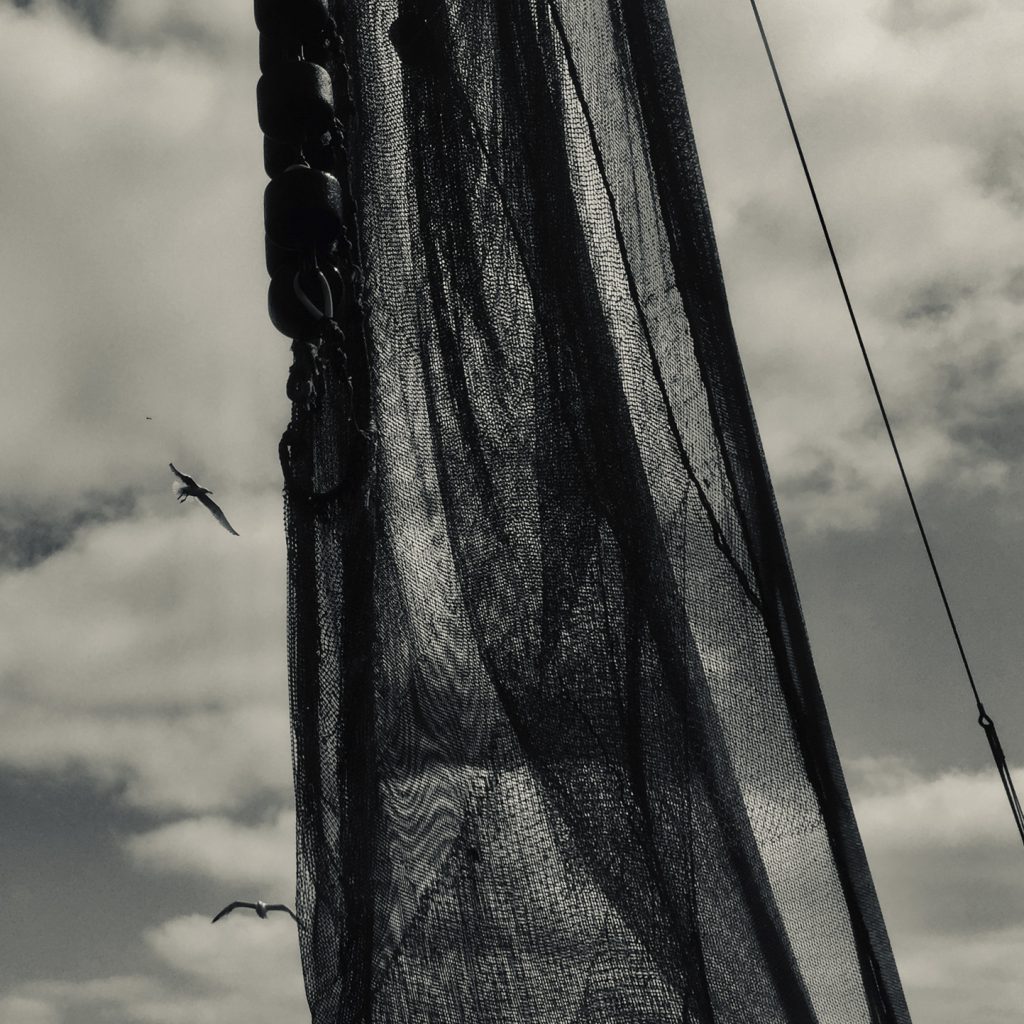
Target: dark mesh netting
561	755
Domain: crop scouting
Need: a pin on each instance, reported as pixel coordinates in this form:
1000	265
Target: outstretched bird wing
287	910
217	514
233	906
184	478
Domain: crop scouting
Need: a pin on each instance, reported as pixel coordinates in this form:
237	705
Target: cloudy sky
144	765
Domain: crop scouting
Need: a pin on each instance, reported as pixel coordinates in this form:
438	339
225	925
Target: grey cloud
927	15
134	285
988	962
260	857
1002	167
912	139
149	615
232	974
51	1002
935	300
199	761
168	678
212	30
999	435
93	14
946	863
1013	287
31	533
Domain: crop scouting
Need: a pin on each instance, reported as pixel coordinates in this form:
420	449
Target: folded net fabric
561	754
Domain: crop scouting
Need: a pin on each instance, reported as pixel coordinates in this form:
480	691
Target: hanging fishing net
560	751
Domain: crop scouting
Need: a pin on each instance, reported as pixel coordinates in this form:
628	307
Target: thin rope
984	720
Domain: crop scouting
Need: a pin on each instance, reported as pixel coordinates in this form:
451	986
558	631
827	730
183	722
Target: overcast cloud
911	126
143	655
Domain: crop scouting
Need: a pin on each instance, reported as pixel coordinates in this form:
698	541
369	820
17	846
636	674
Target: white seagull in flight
261	908
188	488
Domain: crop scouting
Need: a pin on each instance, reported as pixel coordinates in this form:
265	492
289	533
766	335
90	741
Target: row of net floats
311	297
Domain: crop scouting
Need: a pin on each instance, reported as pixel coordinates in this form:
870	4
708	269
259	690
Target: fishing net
560	751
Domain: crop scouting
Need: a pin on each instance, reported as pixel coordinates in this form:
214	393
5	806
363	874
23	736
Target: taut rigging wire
984	719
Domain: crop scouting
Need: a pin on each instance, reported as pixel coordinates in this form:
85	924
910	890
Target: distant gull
188	488
261	908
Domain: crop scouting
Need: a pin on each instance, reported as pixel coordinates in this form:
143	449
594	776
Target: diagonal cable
984	720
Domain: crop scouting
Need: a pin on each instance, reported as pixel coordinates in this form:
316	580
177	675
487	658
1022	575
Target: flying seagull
261	908
188	488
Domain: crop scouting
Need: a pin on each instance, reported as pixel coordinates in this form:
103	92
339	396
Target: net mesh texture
560	751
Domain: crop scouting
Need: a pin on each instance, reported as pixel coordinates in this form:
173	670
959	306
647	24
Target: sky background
144	756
